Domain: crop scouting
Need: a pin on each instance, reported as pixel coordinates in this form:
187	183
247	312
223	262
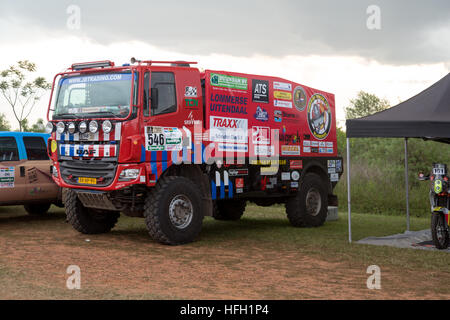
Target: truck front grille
103	171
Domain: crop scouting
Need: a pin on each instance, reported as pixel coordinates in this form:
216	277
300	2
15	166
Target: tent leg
407	184
348	194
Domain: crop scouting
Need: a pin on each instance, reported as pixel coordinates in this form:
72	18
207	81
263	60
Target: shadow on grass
26	218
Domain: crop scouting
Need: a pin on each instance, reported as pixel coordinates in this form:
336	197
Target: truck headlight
71	128
82	127
93	126
49	127
107	126
60	127
129	174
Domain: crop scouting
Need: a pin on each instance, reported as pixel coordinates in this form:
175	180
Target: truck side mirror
154	98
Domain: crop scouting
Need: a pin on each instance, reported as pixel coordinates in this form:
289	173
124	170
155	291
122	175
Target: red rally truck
164	141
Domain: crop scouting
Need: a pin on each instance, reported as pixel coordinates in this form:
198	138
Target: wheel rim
441	231
313	202
181	211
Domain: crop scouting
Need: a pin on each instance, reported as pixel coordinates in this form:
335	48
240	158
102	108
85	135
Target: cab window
166	101
36	148
8	149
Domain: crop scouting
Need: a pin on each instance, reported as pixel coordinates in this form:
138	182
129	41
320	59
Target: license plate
438	171
87	180
86	136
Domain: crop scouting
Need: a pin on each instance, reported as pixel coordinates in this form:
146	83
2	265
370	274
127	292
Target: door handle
22	171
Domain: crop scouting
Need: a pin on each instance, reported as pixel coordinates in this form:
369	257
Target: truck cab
25	172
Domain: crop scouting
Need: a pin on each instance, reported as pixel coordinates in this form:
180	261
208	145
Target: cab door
174	103
12	177
39	182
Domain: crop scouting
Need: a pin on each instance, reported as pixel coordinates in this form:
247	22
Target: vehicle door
12	178
40	184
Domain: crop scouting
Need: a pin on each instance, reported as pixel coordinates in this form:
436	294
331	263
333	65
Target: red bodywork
302	117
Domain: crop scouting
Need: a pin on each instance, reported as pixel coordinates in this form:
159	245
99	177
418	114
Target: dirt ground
126	264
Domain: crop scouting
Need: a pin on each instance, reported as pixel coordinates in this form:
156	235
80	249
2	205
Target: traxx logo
227	123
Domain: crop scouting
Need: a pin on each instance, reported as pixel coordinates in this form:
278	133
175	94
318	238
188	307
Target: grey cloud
244	28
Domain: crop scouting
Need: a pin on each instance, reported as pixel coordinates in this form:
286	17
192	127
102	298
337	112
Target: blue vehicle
26	172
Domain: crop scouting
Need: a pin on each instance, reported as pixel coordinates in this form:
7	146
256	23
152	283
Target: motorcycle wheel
439	231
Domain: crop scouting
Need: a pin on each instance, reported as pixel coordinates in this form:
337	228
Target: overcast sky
324	44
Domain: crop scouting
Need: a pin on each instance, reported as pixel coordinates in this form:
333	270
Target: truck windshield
105	95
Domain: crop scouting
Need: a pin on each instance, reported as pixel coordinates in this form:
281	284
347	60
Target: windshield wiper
67	114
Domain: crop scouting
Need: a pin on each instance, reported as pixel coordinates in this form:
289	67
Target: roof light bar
173	63
91	65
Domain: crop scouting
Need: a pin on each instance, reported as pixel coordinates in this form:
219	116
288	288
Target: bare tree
21	93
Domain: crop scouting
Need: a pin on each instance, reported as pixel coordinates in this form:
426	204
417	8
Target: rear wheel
37	209
87	220
229	209
173	211
439	231
309	207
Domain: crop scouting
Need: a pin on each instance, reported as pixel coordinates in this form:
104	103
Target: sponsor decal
306	149
282	104
288	138
238	172
296	164
260	135
269	171
329	150
277	116
223	129
7	177
282	95
260	91
190	121
295	175
322	150
228	104
239	182
190	91
331	170
262	150
98	78
321	143
294	184
282	86
163	139
306	143
339	165
264	162
329	144
261	114
300	98
233	147
191	103
319	116
314	150
332	163
334	177
289	116
285	176
288	150
231	82
314	143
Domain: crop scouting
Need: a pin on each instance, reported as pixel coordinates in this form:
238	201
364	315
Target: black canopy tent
426	116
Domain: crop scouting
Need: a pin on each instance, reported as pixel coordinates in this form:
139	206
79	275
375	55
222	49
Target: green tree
20	91
4	123
365	104
39	126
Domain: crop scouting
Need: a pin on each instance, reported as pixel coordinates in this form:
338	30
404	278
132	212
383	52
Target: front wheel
173	211
439	231
87	220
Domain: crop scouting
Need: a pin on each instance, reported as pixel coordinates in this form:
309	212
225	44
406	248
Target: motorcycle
440	204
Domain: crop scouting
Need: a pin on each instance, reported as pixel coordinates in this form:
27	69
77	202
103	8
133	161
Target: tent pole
348	194
406	184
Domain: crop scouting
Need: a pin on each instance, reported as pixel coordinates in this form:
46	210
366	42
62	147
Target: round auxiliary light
93	126
82	127
49	127
60	127
107	126
71	127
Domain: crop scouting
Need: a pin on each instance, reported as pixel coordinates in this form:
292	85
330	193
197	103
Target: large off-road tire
87	220
309	208
37	209
173	211
229	209
439	231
